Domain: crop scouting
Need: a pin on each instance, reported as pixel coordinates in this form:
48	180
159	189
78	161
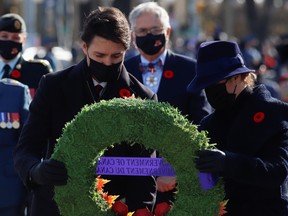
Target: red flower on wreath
168	74
258	117
100	182
162	209
143	212
124	93
120	208
15	74
222	210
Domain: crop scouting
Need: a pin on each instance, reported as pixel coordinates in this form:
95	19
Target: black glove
210	160
49	172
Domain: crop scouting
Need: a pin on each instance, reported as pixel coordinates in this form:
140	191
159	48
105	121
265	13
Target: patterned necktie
6	70
98	89
150	67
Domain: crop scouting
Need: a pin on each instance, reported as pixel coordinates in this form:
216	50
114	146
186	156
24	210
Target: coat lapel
113	88
18	67
76	91
165	83
136	69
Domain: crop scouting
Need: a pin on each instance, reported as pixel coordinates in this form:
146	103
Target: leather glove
210	160
49	172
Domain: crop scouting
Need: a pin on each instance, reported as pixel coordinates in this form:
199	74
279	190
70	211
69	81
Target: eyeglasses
144	32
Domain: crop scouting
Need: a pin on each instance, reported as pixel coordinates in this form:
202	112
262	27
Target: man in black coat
12	65
61	95
250	129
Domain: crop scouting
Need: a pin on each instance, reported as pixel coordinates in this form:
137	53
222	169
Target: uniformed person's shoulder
57	78
39	61
12	82
40	64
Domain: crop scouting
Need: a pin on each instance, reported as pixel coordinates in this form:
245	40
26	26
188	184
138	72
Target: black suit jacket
173	90
60	96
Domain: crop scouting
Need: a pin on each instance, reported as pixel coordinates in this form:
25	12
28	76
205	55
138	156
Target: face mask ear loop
87	51
234	87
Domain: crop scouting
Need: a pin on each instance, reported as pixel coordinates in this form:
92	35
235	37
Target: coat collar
75	88
78	91
168	64
113	88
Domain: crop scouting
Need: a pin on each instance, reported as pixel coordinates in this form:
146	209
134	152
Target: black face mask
219	98
9	49
151	44
104	73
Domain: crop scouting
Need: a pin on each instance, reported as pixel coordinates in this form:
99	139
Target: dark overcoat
30	72
254	135
60	96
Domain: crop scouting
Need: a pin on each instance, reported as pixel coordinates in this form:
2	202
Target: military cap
12	23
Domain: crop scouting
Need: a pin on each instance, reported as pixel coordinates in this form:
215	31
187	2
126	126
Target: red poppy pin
124	93
259	117
168	74
15	74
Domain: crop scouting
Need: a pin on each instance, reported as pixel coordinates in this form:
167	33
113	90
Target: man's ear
84	48
168	32
133	39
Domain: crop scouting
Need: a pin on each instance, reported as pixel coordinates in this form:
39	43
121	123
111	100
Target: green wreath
156	125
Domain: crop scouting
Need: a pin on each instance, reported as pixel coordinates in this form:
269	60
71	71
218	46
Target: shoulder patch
40	61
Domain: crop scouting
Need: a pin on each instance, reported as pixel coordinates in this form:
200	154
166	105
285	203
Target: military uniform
30	72
14	102
26	72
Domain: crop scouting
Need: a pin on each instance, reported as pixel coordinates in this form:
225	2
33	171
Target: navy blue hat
216	61
12	23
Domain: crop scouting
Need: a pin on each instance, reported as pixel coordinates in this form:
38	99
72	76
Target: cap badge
17	24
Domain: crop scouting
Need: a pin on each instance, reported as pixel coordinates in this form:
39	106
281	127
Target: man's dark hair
109	23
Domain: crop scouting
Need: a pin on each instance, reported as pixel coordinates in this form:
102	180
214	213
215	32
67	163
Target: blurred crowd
269	59
158	66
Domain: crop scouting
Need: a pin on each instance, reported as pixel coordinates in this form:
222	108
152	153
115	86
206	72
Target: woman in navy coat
250	129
